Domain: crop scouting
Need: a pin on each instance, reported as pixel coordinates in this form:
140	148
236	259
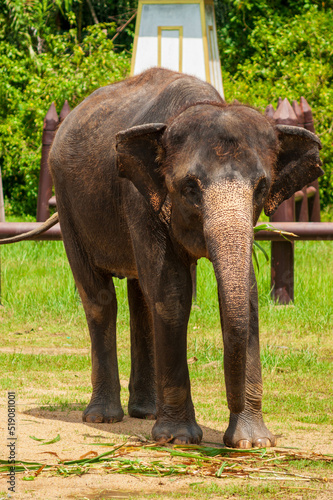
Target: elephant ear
298	164
137	160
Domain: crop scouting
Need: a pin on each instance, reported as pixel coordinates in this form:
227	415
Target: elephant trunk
228	227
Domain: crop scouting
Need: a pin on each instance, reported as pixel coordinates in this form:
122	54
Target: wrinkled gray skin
152	174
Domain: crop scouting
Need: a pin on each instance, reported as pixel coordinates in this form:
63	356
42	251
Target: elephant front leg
175	412
247	429
142	385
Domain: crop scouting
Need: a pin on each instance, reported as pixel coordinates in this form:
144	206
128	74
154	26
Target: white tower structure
179	35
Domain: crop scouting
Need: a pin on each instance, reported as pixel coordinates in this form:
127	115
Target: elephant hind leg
142	385
101	313
98	297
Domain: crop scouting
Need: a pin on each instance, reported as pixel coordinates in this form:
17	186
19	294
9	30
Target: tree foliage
52	50
40	64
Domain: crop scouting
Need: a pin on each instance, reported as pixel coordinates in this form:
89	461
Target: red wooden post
65	111
269	112
314	202
301	198
308	118
299	113
282	253
45	179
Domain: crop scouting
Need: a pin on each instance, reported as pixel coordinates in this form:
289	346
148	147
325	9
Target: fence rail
303	231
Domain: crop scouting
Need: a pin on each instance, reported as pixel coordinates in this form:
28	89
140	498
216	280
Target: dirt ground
78	438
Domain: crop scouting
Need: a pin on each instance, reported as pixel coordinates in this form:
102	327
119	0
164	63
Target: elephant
151	174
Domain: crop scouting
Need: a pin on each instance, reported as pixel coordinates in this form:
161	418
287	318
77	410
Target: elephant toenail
244	444
181	440
262	443
273	441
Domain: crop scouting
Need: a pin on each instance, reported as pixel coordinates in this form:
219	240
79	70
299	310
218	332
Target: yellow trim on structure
218	56
211	52
136	37
204	40
159	43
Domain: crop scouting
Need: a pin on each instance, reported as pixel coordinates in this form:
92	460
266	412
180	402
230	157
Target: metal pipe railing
304	231
9	229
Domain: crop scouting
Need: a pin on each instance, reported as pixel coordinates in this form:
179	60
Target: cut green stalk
201	460
267	227
54	440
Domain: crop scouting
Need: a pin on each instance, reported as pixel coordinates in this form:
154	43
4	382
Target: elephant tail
52	221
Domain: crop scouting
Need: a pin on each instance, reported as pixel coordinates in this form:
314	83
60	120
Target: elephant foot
248	431
102	413
147	412
177	433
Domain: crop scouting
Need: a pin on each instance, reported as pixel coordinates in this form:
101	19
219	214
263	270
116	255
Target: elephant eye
190	190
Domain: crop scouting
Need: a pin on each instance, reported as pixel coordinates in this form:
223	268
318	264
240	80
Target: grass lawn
44	353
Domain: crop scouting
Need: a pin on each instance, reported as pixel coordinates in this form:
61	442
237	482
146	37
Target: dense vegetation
52	50
46	54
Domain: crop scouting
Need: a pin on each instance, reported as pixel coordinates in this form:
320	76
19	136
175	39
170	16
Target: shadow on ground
127	427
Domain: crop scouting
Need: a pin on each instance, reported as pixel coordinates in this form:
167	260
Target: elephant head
220	165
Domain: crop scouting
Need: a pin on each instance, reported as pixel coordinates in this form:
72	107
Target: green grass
38	290
19	362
